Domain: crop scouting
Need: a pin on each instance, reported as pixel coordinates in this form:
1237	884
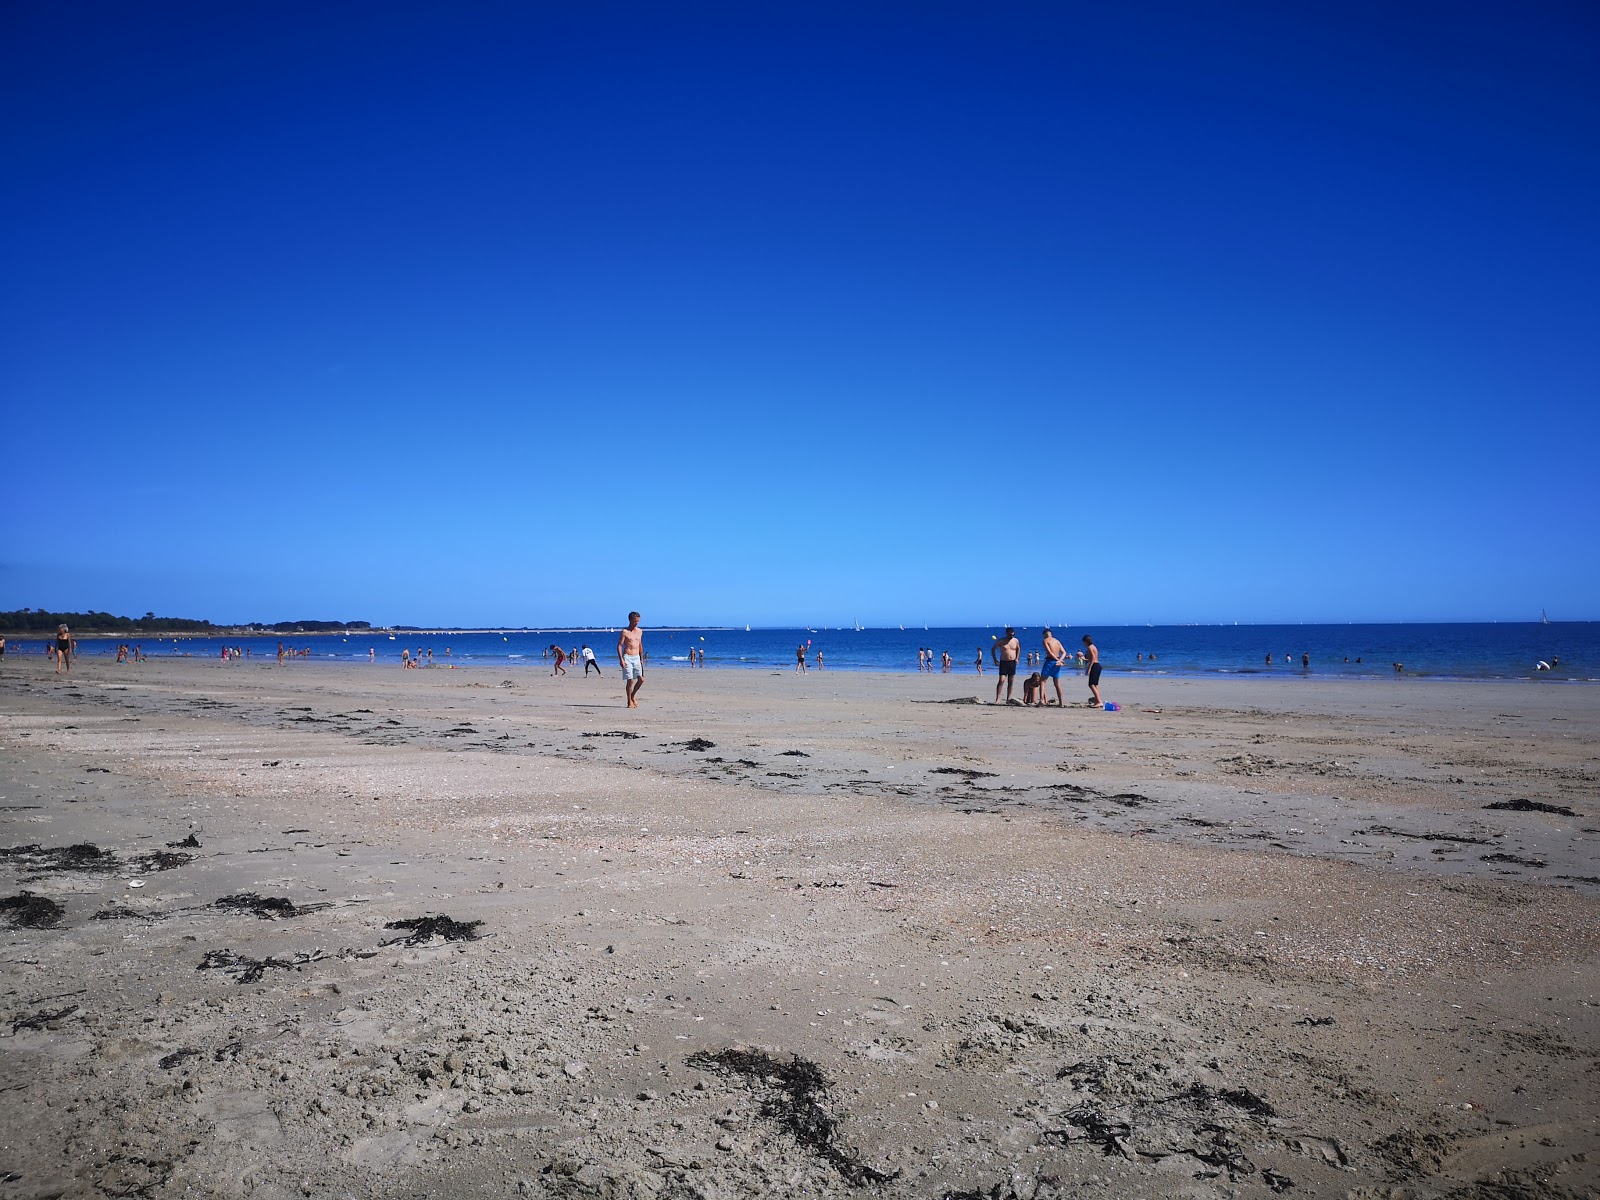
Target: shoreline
1113	672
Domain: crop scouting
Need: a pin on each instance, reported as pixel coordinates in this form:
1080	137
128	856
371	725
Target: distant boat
747	629
1543	619
858	624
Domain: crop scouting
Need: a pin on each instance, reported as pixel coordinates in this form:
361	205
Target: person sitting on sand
1033	690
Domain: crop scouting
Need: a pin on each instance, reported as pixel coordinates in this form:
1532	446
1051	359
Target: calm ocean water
1450	651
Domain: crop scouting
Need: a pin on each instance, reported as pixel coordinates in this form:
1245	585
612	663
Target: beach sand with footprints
401	933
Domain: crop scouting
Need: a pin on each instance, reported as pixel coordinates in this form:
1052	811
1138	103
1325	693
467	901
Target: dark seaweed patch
621	733
1512	858
123	914
189	843
794	754
85	856
176	1057
698	743
1389	831
266	907
27	911
965	772
793	1095
1530	806
1071	791
160	860
43	1019
1241	1098
425	929
782	775
251	970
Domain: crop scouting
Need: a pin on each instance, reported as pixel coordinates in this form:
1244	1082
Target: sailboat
858	624
1543	618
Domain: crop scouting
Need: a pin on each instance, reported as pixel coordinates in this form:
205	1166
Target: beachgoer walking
589	661
1005	654
1055	657
819	658
630	653
978	662
1094	672
561	658
63	650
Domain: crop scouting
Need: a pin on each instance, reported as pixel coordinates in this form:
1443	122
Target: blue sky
533	314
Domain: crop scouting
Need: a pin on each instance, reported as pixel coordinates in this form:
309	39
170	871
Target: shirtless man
1055	657
630	653
1005	654
1094	672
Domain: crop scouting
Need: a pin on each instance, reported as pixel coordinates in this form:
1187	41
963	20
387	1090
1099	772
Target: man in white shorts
630	653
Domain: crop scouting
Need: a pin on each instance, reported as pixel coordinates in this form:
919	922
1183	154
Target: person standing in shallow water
630	654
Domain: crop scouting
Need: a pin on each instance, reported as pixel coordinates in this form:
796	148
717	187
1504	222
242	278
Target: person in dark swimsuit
63	650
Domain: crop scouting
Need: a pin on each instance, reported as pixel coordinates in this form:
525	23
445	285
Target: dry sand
870	940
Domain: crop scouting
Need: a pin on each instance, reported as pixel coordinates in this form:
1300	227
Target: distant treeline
30	620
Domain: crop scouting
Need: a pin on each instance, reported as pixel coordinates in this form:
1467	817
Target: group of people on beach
563	657
1007	651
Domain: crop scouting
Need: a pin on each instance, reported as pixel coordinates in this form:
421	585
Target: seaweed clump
268	908
1559	810
425	929
27	911
44	1019
252	970
85	856
794	1092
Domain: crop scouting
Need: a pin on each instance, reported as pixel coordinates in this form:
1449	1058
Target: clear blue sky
535	313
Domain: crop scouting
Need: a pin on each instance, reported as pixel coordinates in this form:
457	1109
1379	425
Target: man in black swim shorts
1005	653
1094	673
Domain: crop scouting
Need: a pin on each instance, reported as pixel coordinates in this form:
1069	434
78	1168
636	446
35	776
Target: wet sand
839	934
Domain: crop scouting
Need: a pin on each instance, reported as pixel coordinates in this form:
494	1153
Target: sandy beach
358	931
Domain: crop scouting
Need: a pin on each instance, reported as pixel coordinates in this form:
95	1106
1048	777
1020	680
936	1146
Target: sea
1504	650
